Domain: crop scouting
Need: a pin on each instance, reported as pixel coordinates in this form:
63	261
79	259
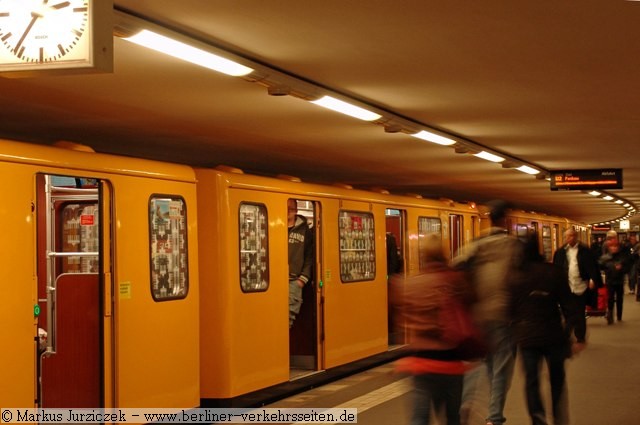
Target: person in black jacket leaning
583	274
301	257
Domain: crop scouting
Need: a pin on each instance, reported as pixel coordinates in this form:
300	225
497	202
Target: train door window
547	246
475	228
168	247
254	244
426	226
394	228
357	246
535	226
522	231
456	226
80	233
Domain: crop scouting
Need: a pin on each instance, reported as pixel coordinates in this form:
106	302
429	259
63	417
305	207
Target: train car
136	283
550	229
99	279
246	343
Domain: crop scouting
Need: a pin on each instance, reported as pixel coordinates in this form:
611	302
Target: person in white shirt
583	274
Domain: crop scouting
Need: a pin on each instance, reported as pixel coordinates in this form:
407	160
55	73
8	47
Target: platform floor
603	381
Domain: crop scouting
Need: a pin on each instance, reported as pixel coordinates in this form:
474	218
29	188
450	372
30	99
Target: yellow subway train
134	283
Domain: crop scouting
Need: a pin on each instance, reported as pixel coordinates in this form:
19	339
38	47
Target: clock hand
60	5
34	18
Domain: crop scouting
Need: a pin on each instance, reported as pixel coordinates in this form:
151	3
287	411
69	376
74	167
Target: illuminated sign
586	179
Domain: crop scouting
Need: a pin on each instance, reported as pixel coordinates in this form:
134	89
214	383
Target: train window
254	243
357	246
168	247
80	233
522	231
426	226
547	246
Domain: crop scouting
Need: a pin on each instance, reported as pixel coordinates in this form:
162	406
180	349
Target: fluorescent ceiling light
627	205
607	198
346	108
434	138
489	156
527	169
188	53
594	193
619	201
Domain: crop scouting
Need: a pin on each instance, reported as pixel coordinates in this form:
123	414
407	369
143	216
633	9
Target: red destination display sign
603	179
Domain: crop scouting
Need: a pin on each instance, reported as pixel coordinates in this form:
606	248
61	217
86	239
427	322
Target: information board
610	178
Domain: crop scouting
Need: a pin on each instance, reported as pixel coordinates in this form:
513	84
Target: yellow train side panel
156	344
17	286
244	336
355	312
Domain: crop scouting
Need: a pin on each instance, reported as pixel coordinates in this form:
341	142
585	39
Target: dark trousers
437	391
531	361
616	294
580	301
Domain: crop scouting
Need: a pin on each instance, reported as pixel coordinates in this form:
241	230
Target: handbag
460	330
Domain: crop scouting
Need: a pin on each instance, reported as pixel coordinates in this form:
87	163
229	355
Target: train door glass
455	224
556	237
426	226
522	231
70	324
395	241
305	335
547	243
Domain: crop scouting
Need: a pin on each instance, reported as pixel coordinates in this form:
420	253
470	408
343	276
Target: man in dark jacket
616	264
301	256
583	275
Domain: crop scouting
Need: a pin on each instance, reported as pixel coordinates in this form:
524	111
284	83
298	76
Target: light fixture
607	198
188	53
619	201
392	128
543	176
279	90
434	138
627	205
594	193
527	169
489	156
346	108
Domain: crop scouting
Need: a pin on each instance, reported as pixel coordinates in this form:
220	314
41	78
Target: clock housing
55	37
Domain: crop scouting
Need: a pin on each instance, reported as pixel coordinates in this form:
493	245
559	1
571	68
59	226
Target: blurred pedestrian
634	251
543	315
491	262
615	264
436	363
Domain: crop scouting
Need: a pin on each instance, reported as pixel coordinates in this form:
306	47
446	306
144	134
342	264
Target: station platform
603	383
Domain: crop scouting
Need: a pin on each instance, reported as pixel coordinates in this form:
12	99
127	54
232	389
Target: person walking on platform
436	363
583	275
634	251
615	263
491	262
543	315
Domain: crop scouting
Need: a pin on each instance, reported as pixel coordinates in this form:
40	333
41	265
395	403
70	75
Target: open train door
395	244
74	292
306	336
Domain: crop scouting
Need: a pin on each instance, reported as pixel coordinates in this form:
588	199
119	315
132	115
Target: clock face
40	32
